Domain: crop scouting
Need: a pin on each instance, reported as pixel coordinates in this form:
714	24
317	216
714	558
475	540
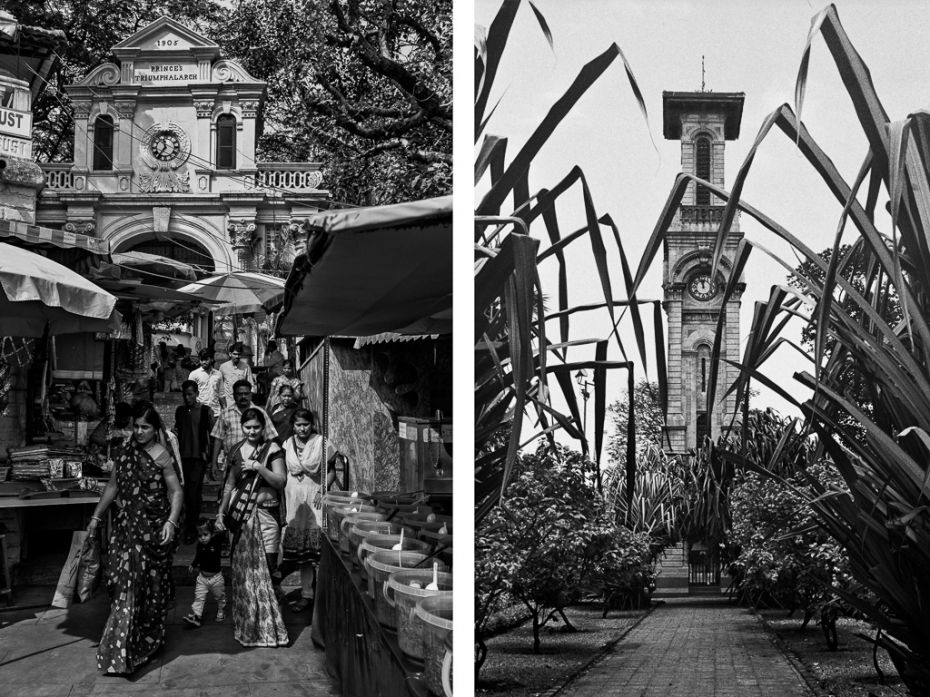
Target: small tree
548	535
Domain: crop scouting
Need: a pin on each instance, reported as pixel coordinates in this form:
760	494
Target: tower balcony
703	216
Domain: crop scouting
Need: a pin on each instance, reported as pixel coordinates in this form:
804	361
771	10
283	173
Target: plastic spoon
400	545
434	586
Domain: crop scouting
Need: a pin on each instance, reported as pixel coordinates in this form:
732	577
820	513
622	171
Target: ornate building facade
703	122
164	158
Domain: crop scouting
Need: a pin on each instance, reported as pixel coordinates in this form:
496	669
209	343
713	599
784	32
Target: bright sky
750	46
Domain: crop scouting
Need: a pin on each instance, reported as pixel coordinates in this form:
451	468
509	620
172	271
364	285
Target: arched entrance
186	251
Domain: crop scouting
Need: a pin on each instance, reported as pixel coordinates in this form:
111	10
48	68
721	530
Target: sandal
300	605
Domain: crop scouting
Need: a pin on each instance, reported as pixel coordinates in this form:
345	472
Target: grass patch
846	672
513	669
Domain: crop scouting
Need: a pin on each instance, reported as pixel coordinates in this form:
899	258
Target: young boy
207	562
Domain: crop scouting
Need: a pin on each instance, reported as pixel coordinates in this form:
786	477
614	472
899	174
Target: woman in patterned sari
303	496
147	491
254	479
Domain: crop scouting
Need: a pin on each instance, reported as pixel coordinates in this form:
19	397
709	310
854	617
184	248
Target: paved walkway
688	648
47	652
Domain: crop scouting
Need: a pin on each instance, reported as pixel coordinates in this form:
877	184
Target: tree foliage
548	537
364	86
650	418
785	557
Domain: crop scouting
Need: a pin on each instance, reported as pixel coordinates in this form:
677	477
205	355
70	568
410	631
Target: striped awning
41	236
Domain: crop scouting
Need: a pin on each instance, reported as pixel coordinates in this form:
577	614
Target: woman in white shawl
303	494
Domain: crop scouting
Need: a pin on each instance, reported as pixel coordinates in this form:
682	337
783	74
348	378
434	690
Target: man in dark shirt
193	422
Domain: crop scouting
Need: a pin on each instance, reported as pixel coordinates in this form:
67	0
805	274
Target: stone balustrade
290	176
58	175
272	176
701	215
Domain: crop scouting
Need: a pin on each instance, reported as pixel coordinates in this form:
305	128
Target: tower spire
702	73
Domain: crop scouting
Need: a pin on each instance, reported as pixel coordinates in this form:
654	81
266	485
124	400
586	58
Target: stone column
243	236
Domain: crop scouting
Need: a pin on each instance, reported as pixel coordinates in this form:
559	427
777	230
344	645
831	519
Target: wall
368	389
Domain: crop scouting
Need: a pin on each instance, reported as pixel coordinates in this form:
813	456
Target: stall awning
373	270
35	235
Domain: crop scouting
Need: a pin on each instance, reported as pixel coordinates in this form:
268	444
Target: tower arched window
103	143
702	169
226	142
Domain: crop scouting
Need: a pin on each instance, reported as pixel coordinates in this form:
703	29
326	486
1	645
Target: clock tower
702	122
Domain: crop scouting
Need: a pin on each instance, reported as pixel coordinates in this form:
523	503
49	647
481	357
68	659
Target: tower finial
702	73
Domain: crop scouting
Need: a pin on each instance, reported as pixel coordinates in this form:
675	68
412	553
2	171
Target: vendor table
360	653
15	502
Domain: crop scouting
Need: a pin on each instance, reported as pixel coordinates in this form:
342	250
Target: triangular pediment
166	37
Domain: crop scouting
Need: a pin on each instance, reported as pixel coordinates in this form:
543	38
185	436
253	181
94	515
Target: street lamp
581	377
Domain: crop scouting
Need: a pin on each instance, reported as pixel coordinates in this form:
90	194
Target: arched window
702	169
703	366
103	143
226	142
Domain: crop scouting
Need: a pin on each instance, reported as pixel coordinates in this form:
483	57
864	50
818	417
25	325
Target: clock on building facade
164	148
702	287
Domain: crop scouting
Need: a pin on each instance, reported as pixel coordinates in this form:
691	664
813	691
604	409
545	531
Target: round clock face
702	287
165	146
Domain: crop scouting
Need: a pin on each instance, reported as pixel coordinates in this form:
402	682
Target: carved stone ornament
81	109
164	147
204	109
103	75
249	109
162	182
80	227
126	110
242	234
230	71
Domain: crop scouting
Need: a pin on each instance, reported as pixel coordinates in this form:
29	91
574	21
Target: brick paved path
688	648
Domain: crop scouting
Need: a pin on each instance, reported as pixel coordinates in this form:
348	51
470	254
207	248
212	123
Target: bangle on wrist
173	524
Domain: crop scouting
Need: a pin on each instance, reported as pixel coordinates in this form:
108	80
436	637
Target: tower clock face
165	146
702	287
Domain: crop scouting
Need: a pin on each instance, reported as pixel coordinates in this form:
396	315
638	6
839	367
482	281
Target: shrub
785	557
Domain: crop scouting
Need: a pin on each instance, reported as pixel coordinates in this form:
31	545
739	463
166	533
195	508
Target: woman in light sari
147	491
250	510
303	497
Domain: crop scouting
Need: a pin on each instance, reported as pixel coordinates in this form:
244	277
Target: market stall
41	298
371	303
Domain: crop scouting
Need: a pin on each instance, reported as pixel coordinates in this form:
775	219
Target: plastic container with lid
435	612
351	519
376	543
381	565
402	592
364	528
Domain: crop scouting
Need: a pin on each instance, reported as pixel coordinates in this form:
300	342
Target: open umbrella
155	265
239	292
38	292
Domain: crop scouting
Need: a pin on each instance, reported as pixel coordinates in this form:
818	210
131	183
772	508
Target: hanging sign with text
15	123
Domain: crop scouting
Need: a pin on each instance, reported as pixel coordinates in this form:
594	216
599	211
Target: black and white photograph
226	331
701	332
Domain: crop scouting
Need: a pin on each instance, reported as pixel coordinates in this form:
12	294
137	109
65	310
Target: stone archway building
164	152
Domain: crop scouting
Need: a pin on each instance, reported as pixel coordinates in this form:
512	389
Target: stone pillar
243	236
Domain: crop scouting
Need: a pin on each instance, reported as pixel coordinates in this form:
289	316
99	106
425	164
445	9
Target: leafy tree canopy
364	86
649	422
